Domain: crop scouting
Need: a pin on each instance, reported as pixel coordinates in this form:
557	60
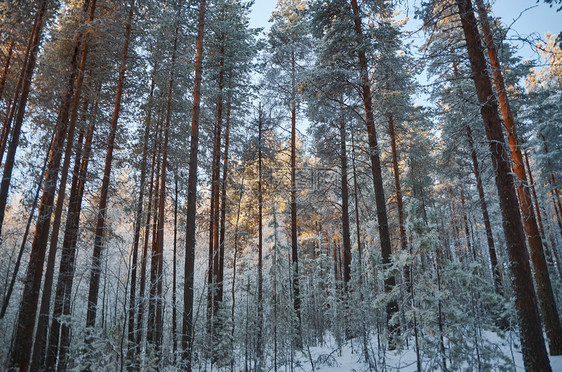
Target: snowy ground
348	359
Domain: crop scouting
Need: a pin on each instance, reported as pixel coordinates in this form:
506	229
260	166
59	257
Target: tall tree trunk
43	321
234	263
28	306
469	247
138	222
336	268
187	329
539	216
346	239
174	273
455	228
6	126
357	215
374	154
12	105
399	201
534	351
496	272
38	356
152	293
440	320
293	201
153	288
213	270
102	207
18	106
214	284
8	294
158	257
223	194
542	277
142	299
535	199
62	304
259	340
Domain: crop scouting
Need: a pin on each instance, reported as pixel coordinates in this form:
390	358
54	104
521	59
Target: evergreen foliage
185	192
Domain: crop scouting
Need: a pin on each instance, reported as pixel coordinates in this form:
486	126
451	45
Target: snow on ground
329	358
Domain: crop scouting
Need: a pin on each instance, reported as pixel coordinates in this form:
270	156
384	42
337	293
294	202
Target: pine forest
360	185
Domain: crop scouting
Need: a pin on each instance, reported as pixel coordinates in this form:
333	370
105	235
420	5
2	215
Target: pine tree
288	39
28	307
20	102
384	233
104	190
534	351
187	330
542	278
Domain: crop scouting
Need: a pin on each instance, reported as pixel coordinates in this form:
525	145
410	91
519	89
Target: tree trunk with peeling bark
542	278
535	356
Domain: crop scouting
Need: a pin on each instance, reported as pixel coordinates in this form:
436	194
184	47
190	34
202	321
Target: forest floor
349	358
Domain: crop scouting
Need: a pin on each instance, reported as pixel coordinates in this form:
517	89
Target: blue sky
536	19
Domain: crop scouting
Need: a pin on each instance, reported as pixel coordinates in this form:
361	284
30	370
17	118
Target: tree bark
534	351
223	194
151	198
187	329
40	344
159	257
346	239
174	273
293	206
6	127
62	303
213	269
542	278
6	299
539	217
19	104
470	249
357	215
496	272
259	341
42	323
399	201
535	199
28	307
138	222
376	168
218	261
152	292
102	207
